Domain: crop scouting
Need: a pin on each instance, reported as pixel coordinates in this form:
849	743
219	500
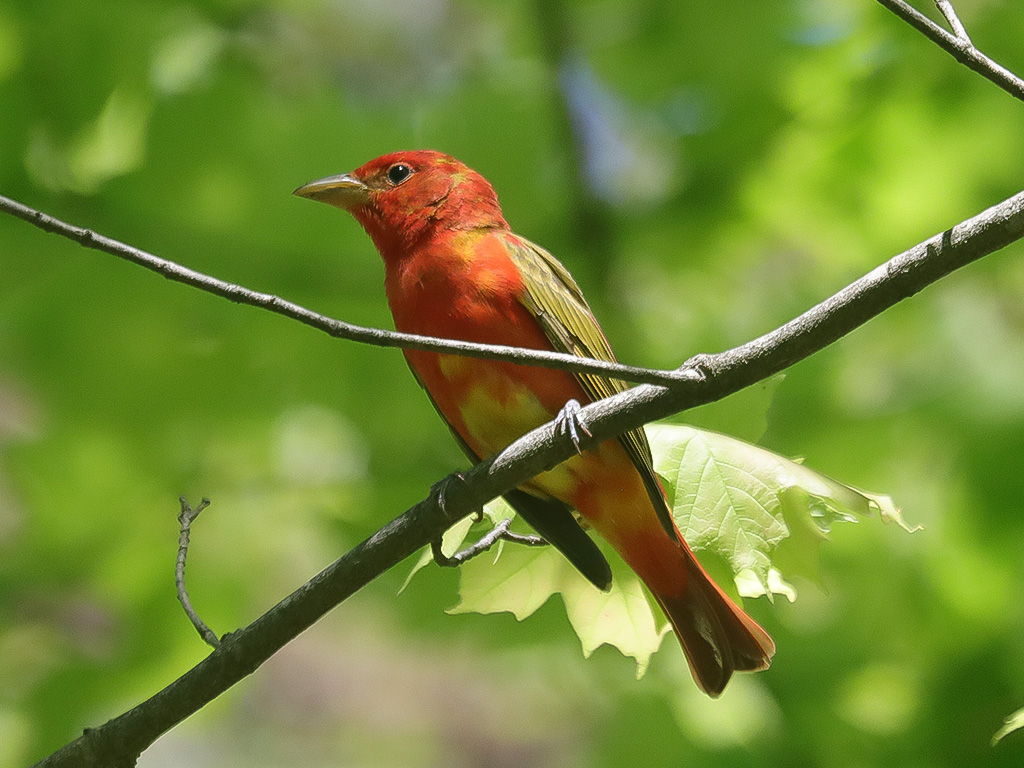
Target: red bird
455	270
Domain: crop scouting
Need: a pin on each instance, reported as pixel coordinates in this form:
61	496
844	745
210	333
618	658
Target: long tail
717	636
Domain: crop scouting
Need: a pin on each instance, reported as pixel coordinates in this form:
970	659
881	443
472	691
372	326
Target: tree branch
956	45
484	543
946	9
186	518
339	329
121	740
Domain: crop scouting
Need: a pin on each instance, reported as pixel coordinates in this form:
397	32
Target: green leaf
757	520
521	579
518	580
755	509
1012	723
452	539
623	617
722	498
450	543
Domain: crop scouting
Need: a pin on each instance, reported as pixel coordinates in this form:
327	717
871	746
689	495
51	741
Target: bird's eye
398	173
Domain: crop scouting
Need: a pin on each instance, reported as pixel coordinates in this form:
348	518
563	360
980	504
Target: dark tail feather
555	522
717	636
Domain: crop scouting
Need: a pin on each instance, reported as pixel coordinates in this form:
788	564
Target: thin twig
186	517
121	740
338	328
960	48
946	8
484	543
525	539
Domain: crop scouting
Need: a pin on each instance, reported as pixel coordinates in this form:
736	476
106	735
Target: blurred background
706	170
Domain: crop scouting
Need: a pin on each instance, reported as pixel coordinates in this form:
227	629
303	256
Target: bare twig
960	48
525	539
484	543
337	328
121	740
946	9
187	515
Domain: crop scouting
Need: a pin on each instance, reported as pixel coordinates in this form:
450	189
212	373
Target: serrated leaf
622	617
523	579
517	579
754	508
520	581
723	497
748	585
758	518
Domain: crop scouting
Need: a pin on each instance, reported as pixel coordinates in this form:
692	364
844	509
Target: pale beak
343	191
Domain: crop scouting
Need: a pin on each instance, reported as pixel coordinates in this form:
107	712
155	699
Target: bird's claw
569	421
440	490
698	366
440	557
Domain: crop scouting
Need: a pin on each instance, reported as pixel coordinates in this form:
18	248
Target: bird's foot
440	490
569	421
698	366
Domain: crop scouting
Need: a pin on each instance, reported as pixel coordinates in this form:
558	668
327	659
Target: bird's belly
492	406
496	413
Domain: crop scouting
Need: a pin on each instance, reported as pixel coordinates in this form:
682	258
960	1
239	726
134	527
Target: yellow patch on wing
496	420
559	482
452	366
497	416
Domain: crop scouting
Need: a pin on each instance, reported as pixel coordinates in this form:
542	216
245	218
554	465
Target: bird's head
404	197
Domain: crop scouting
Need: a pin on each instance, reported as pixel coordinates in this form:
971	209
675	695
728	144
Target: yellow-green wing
554	298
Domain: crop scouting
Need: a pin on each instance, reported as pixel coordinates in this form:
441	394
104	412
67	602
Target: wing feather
553	297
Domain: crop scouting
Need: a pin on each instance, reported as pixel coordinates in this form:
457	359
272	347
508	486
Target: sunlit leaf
523	578
746	503
756	519
520	581
1012	723
453	539
622	617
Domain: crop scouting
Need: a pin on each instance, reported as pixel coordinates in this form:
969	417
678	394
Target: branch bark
121	740
946	9
337	328
957	45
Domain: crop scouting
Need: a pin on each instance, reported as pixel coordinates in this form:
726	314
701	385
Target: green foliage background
731	164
